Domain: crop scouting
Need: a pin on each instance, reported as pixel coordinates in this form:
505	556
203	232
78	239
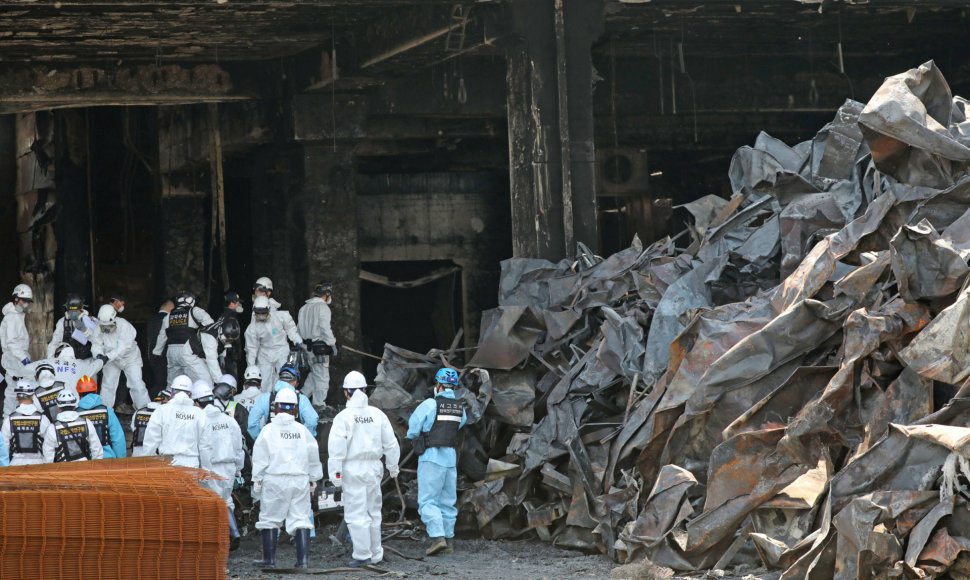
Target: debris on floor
785	385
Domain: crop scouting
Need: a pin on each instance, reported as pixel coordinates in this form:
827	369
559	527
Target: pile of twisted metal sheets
786	384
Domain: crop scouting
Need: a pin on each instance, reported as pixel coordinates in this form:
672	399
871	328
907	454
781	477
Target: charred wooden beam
37	88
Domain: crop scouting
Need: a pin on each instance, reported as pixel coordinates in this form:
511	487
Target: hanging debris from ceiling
796	379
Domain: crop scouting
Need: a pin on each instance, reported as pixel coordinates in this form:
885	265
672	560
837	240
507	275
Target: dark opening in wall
418	318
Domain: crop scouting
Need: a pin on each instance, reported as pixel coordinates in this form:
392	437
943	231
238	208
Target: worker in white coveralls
180	333
286	467
266	340
124	356
79	330
14	342
433	429
175	429
23	430
361	435
222	451
314	327
71	437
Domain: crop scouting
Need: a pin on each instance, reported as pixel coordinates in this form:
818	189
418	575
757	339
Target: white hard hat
24	388
261	304
67	398
185	298
107	315
45	378
264	282
182	383
229	380
200	389
286	396
354	380
252	372
23	292
65	351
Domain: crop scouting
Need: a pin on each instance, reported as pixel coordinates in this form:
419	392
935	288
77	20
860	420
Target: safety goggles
288	407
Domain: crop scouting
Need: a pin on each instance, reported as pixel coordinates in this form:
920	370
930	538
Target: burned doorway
415	305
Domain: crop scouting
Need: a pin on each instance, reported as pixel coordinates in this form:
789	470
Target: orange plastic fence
116	518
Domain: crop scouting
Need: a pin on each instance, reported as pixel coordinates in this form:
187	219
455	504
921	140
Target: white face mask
23	308
328	299
122	309
239	308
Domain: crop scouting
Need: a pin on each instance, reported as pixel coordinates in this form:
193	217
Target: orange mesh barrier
115	518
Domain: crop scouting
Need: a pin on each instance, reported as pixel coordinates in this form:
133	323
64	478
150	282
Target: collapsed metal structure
795	377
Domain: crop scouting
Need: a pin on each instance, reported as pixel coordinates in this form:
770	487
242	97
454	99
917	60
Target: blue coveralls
118	447
259	413
437	473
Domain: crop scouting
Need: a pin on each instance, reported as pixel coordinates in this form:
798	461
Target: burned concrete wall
461	217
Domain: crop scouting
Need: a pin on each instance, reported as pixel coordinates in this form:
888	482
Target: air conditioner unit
621	172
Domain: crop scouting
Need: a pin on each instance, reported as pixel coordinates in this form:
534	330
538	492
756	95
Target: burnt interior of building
399	148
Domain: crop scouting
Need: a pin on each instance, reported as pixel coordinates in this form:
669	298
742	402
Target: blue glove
333	349
301	345
103	358
25	362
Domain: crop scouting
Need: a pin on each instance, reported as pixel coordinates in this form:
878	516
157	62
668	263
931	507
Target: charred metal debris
792	384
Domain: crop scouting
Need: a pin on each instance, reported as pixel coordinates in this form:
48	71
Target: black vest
25	435
179	330
81	351
444	431
141	425
72	441
48	400
99	418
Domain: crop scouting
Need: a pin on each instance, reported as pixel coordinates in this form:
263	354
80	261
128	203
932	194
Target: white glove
394	471
336	481
482	375
313	486
257	486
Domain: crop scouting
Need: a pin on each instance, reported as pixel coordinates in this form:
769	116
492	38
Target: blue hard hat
289	372
447	377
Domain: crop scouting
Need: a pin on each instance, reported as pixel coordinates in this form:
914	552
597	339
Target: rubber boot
233	532
270	538
302	548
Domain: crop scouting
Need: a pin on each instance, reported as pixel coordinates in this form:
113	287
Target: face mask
108	329
239	308
122	309
262	317
328	299
73	315
23	308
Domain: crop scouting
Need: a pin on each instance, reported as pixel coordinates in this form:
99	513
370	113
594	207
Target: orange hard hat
87	385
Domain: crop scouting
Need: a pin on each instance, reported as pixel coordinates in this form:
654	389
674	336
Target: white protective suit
181	359
248	397
176	429
210	345
7	434
360	435
50	438
123	356
286	459
314	324
14	341
93	335
222	446
69	370
266	345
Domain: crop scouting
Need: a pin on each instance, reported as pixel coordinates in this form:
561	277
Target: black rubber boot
270	538
233	532
302	548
